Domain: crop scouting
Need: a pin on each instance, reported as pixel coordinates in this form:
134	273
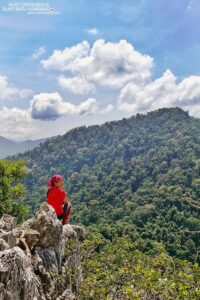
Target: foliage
138	176
12	192
118	270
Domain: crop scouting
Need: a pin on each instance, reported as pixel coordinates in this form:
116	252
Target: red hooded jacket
55	198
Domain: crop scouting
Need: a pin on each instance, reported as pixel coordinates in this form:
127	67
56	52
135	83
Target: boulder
73	232
17	277
33	257
46	223
7	222
11	237
3	245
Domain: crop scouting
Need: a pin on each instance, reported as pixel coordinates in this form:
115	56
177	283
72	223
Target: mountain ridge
137	176
11	147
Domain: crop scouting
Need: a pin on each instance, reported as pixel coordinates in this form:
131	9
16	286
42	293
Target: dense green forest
118	270
137	178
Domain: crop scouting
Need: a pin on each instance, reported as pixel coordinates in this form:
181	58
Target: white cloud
17	123
50	106
76	85
92	31
162	92
105	63
106	109
61	60
39	52
9	91
87	107
21	124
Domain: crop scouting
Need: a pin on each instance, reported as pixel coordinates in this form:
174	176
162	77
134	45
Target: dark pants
66	213
65	208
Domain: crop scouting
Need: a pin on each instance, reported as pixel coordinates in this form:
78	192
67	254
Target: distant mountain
139	176
8	147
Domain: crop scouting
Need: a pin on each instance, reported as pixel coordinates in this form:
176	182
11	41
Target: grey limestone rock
32	257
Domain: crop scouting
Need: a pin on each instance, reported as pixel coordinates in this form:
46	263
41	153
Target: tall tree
12	191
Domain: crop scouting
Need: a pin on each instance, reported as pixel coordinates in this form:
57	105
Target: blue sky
102	79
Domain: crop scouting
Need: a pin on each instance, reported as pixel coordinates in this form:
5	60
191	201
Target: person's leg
65	207
68	212
60	217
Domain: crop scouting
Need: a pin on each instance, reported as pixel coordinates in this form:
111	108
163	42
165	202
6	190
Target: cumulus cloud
162	92
106	109
39	52
105	63
16	123
76	85
9	91
87	107
92	31
61	60
21	123
50	106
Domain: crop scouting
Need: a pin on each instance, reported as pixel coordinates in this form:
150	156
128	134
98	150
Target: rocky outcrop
33	257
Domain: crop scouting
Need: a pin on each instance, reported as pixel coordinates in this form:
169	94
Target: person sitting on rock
57	198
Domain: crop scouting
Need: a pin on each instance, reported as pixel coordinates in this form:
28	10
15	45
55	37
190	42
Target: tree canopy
12	191
138	176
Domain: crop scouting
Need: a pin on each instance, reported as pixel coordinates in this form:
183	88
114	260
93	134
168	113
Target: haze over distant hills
9	147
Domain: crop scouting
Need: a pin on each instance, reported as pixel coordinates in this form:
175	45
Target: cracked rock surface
32	257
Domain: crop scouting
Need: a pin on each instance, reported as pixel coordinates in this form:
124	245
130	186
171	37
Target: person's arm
65	200
64	196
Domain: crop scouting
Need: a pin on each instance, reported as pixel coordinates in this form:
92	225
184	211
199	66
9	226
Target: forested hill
137	177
